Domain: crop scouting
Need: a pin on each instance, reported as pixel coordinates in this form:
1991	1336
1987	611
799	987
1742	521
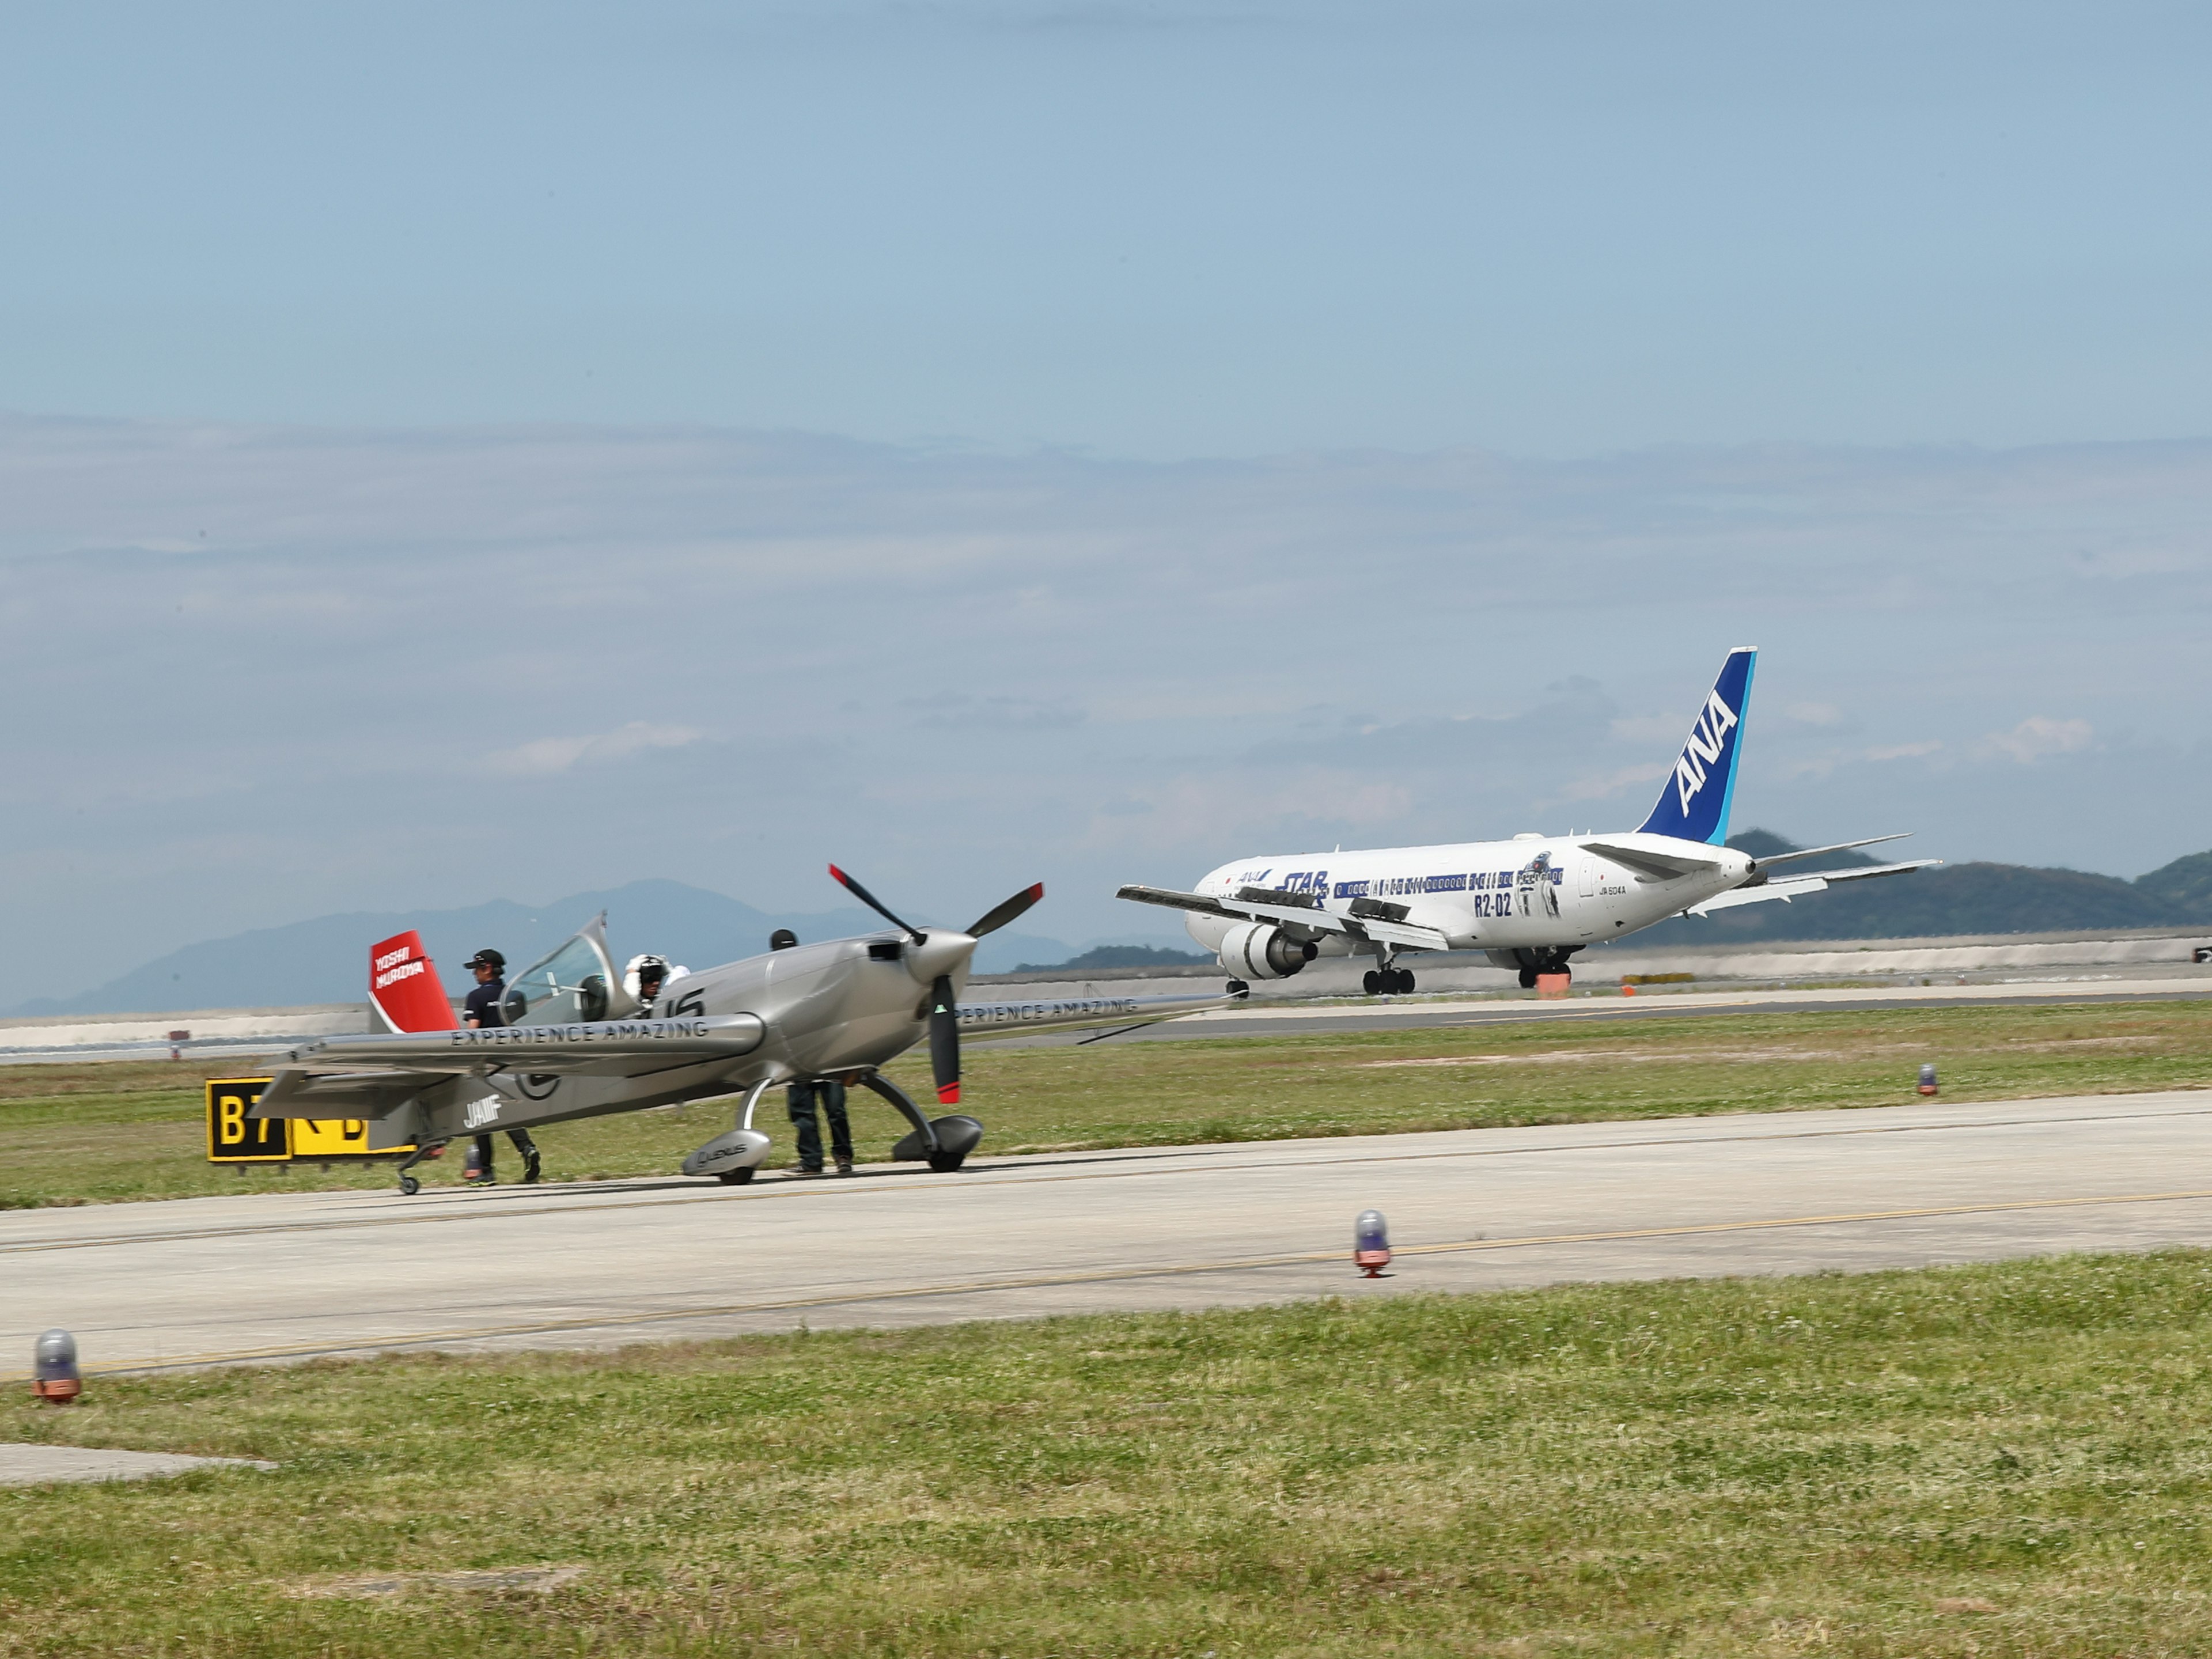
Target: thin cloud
1905	751
2039	735
1612	783
545	757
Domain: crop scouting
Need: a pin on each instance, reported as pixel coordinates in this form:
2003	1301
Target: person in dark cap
481	1008
481	1012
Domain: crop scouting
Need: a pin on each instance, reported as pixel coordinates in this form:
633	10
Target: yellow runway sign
235	1138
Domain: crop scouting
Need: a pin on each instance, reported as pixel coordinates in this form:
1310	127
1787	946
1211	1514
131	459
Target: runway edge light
1927	1078
1370	1243
53	1369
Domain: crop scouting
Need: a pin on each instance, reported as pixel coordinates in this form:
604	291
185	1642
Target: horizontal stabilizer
1795	887
1834	846
1659	866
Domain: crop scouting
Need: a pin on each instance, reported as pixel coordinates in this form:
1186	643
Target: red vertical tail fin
404	986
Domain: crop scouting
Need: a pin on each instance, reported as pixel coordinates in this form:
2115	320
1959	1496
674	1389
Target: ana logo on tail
1686	810
1704	748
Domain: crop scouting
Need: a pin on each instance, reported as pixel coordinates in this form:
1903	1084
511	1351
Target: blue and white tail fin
1694	804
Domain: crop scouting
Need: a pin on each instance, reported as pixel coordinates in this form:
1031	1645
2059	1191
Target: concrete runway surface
225	1280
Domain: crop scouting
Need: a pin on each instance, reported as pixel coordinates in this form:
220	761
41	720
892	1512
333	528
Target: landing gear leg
741	1177
943	1143
408	1185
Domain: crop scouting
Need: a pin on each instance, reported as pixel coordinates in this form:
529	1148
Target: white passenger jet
1531	902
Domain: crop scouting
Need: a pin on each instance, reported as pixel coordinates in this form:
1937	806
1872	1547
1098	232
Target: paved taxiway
1412	1013
278	1276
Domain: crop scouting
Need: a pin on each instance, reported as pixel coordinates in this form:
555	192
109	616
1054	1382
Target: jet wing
1799	886
1659	866
1404	934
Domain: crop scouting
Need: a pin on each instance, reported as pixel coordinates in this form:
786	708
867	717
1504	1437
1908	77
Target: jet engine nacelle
1258	950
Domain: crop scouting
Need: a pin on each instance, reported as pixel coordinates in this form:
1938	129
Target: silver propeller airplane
578	1044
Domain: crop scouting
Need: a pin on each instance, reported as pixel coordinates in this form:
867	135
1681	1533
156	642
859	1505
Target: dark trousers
831	1095
523	1144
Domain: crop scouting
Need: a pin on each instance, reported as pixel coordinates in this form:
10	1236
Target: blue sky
1145	229
490	452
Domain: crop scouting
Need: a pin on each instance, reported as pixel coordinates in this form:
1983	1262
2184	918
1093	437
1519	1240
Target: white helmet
634	974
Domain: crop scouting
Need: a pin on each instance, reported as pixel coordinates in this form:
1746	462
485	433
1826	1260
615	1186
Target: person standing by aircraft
802	1101
829	1094
481	1012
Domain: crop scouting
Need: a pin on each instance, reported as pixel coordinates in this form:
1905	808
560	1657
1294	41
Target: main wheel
1405	982
409	1186
1527	979
944	1163
735	1177
1371	982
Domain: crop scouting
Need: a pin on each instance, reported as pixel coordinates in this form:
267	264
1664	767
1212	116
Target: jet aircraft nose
941	952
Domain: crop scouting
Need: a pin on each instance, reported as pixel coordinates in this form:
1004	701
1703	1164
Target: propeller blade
875	904
945	1042
999	914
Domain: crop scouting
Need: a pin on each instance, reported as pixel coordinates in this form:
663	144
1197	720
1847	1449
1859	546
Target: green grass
93	1133
1996	1461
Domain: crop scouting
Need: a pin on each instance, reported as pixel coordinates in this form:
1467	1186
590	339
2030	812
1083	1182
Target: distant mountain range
1951	899
1121	956
326	960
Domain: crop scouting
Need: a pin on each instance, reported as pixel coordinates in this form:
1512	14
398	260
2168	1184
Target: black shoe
530	1167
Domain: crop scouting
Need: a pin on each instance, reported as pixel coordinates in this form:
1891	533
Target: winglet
1693	803
404	987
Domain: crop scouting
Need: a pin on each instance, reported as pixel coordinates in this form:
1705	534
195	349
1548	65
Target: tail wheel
409	1186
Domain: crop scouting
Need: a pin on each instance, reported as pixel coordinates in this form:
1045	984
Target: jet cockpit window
568	986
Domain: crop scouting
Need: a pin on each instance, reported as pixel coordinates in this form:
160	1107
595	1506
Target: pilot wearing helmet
481	1012
647	976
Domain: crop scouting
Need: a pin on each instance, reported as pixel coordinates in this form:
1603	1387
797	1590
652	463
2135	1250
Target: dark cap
782	939
490	959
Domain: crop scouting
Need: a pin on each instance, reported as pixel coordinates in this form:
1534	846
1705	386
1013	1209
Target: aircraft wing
379	1072
1404	934
985	1020
1798	886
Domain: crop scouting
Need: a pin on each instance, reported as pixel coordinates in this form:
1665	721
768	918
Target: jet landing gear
1534	963
1388	982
